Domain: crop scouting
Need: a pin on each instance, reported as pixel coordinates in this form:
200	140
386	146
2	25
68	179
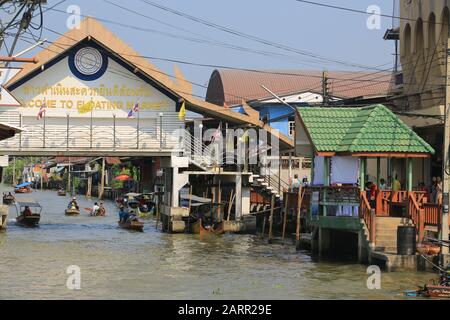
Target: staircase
198	153
267	182
386	234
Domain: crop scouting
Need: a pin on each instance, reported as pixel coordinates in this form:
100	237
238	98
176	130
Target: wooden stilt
301	193
190	205
286	202
219	201
264	224
230	204
272	205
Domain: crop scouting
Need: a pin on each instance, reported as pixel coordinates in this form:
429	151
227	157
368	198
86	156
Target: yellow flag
182	113
245	136
86	108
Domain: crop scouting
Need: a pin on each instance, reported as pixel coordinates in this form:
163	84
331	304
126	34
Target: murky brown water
118	264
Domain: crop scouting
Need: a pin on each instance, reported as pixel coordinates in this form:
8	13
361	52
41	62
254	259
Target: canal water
119	264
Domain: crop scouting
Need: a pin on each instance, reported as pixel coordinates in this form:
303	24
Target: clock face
88	63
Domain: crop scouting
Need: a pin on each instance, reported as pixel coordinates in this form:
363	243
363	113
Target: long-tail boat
72	212
132	225
28	213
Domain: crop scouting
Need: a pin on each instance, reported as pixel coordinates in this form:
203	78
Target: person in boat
73	204
131	216
95	209
123	215
101	209
27	212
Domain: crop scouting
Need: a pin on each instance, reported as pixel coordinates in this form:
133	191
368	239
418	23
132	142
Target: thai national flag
41	112
134	110
136	107
130	114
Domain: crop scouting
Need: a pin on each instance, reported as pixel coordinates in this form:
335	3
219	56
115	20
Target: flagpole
138	123
92	111
45	117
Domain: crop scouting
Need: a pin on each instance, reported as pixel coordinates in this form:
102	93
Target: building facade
423	34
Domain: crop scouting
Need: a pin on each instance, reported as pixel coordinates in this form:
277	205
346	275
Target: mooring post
102	189
286	202
272	205
299	210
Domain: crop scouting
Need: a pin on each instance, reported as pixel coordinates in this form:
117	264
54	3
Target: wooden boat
435	291
199	228
72	212
22	190
437	288
100	213
62	193
28	220
428	249
215	229
8	199
132	225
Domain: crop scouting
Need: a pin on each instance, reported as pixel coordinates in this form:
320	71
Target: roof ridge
389	112
364	125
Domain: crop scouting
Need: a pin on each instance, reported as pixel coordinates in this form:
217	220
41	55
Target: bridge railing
96	134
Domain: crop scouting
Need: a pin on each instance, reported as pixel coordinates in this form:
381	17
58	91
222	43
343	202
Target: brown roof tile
231	86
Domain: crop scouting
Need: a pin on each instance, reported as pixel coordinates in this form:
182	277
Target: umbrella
123	177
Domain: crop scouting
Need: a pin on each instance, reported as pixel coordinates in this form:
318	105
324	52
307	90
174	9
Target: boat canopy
25	184
132	194
28	203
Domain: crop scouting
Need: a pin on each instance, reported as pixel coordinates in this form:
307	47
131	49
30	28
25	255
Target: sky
330	33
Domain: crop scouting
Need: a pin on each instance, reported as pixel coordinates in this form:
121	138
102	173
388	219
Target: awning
7	131
28	203
113	160
26	184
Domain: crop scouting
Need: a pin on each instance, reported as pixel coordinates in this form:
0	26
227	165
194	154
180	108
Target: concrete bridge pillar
242	197
172	214
324	240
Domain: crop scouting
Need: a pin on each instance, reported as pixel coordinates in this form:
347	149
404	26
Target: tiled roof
231	86
373	129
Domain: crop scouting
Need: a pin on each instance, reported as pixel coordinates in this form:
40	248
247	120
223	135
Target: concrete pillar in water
242	206
324	240
362	248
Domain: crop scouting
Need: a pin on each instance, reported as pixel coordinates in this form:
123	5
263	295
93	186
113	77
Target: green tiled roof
366	129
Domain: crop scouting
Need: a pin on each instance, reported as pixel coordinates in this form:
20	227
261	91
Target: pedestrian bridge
105	133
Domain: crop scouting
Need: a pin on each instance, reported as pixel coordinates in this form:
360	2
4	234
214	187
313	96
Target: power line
320	4
120	73
204	41
252	70
254	38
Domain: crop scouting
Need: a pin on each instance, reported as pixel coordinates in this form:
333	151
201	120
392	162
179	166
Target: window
291	128
306	164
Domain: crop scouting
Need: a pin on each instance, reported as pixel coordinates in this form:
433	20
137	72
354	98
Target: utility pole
325	89
102	190
446	168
